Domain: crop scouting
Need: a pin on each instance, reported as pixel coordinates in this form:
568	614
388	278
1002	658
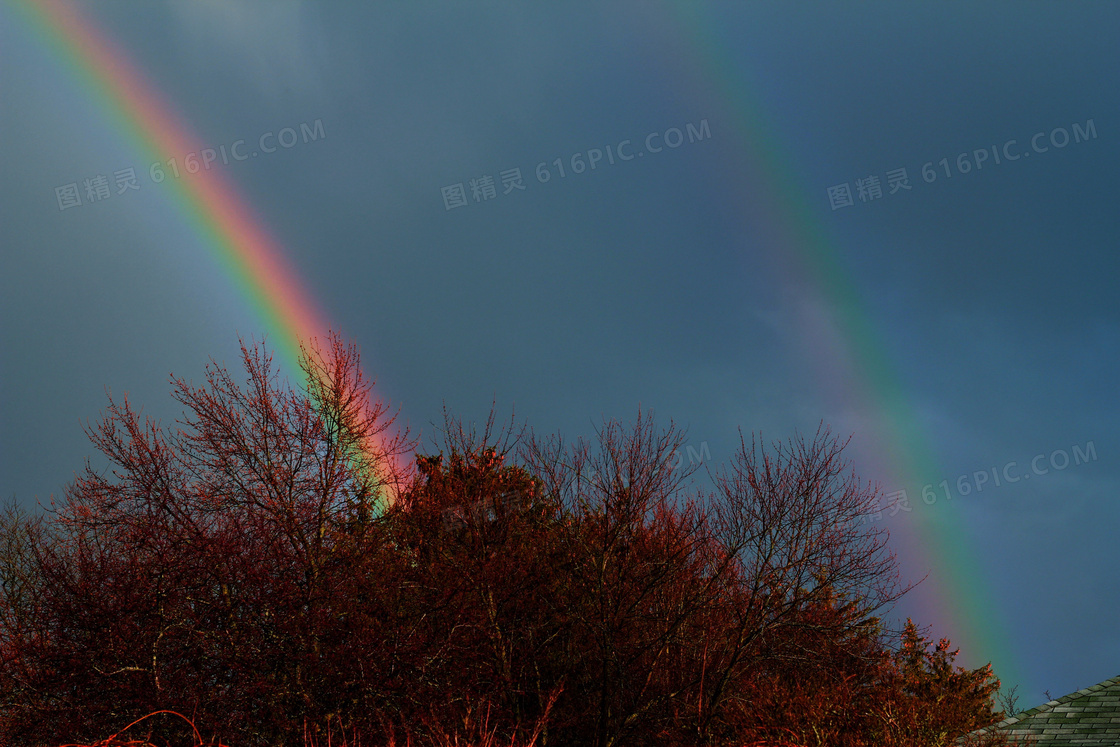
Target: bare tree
788	520
203	571
661	569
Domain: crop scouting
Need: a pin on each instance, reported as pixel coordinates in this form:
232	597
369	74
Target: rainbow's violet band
251	259
851	361
763	187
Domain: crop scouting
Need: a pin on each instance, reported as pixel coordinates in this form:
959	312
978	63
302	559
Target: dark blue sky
987	289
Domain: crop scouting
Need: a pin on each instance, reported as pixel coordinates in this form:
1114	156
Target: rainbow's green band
252	260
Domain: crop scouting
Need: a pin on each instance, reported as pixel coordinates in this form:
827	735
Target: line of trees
241	568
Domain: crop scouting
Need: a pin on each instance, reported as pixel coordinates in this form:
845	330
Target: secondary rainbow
847	348
252	260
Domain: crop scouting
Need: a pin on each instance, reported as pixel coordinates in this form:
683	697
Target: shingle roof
1086	717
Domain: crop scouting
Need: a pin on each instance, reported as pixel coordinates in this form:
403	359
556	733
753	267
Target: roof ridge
1050	705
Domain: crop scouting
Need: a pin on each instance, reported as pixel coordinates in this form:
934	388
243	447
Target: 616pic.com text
870	188
483	188
993	477
98	188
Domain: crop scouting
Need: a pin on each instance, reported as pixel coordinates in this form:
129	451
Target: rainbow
954	598
850	359
252	259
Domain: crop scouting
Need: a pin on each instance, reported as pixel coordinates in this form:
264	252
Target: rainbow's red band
252	259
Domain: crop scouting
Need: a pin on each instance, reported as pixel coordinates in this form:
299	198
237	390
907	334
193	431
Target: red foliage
241	568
